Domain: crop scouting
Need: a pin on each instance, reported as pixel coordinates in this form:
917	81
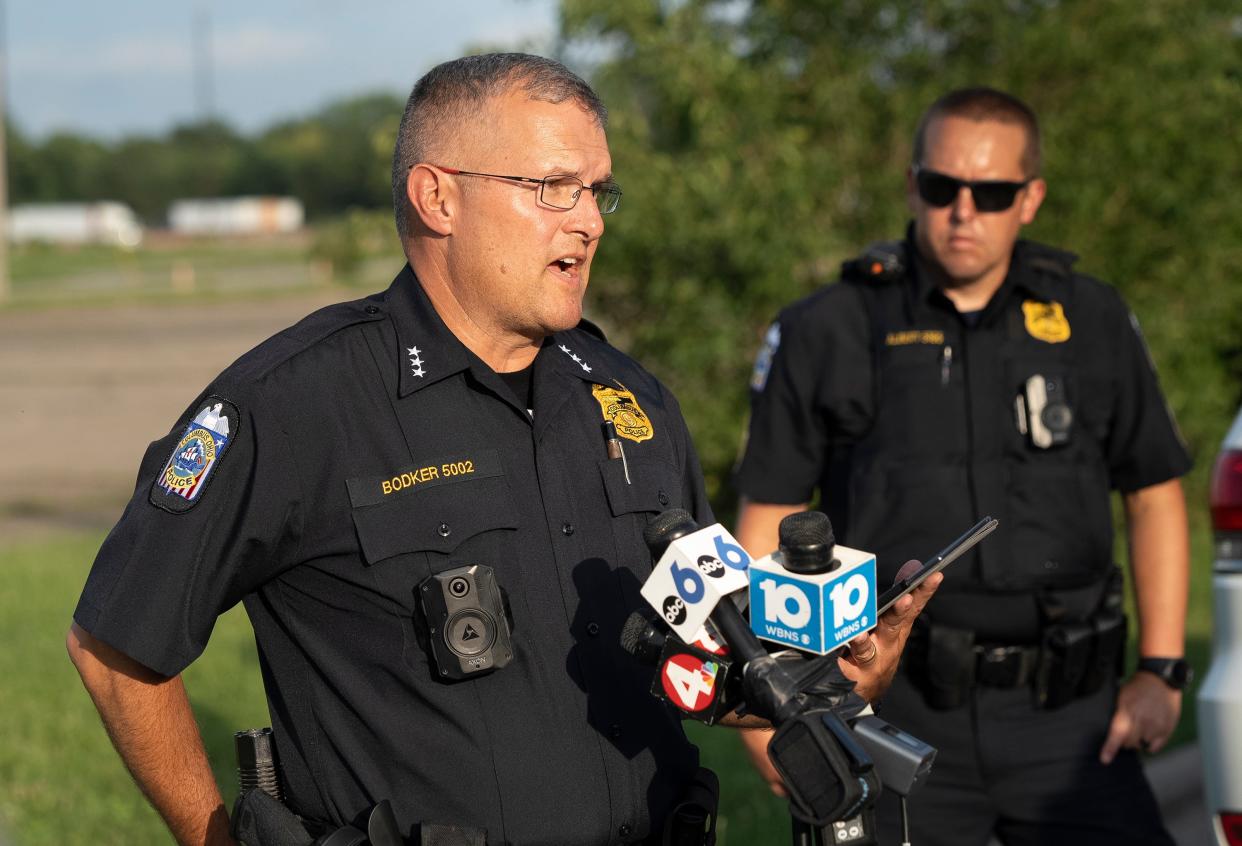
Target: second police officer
964	372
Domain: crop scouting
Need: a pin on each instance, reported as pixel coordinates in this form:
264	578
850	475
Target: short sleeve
1144	445
812	390
210	520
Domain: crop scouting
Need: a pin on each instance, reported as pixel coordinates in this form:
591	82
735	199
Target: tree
760	144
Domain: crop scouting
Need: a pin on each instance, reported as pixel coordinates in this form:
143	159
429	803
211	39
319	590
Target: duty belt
1005	666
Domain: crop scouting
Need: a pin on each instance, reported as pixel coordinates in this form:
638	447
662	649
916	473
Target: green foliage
332	161
761	143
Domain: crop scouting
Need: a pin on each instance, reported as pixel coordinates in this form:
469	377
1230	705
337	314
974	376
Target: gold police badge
620	406
1046	321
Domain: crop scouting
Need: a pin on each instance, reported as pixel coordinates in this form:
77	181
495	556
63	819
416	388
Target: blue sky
128	66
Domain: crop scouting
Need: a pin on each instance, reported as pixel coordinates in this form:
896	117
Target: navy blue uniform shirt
333	468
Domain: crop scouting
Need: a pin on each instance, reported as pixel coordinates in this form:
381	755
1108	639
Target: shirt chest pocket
406	540
652	486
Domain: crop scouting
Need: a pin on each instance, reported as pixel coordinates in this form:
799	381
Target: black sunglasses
989	195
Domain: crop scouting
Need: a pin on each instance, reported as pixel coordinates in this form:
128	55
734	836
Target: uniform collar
429	352
575	353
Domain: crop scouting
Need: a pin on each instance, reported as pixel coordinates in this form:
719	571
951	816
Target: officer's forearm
758	525
152	726
1160	561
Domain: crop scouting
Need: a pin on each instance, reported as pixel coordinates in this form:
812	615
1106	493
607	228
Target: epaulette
591	329
883	262
1050	260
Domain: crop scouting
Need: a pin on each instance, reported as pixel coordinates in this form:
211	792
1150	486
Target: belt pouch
693	821
949	668
1108	650
259	820
1063	660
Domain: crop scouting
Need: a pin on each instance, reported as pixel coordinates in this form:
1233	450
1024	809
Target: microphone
695	569
697	679
812	594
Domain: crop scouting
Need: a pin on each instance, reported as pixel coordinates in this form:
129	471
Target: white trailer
236	216
75	223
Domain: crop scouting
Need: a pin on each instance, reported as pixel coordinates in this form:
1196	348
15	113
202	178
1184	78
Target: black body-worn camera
466	620
1043	411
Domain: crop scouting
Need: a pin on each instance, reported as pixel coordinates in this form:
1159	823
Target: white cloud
251	47
242	48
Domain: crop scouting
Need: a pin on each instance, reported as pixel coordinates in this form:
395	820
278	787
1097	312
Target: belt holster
942	664
692	822
1063	660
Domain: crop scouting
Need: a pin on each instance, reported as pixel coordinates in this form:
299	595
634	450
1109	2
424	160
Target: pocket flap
436	519
653	485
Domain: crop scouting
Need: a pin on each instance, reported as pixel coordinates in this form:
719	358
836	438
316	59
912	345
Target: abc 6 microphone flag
692	576
814	613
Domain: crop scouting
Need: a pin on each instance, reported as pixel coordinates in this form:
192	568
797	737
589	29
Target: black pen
613	443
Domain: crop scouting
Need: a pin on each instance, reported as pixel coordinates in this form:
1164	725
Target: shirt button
614	731
371	309
444	530
593	629
663	497
625	830
567	529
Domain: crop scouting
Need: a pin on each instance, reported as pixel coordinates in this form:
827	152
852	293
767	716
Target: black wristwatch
1175	672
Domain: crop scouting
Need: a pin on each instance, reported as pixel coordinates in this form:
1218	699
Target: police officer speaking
431	502
989	376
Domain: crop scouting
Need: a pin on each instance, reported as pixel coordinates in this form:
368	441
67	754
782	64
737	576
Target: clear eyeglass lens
562	192
607	196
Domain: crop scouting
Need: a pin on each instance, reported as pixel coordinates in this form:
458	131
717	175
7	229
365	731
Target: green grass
63	784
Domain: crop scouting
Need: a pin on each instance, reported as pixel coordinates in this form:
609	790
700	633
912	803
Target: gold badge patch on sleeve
1046	321
620	406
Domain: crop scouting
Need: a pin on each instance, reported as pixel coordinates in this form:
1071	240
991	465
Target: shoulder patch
763	360
1046	321
621	407
181	483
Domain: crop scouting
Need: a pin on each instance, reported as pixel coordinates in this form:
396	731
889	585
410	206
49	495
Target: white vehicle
75	223
236	216
1220	697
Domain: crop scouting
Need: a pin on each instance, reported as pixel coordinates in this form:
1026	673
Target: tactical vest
946	445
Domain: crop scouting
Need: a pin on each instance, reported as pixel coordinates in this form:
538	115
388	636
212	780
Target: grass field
62	783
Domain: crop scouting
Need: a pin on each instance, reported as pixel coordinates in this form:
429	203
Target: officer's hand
755	742
873	656
1147	713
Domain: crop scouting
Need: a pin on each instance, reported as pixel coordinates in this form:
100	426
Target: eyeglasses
989	195
559	191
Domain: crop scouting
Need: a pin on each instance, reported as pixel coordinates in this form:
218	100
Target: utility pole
5	287
204	92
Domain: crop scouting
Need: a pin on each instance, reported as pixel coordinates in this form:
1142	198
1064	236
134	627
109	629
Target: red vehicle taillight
1226	502
1231	824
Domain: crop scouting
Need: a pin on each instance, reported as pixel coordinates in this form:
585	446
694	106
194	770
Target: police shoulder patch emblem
1046	321
180	485
621	407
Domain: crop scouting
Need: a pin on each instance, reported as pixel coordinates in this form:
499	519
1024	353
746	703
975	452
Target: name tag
427	473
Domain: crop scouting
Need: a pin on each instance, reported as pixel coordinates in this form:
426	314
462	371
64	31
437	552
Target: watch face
1179	673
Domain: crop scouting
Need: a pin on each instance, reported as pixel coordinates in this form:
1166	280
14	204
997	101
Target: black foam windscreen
806	528
641	639
807	541
666	527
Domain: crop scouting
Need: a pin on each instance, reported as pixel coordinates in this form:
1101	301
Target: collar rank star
621	407
185	475
1046	321
416	362
586	368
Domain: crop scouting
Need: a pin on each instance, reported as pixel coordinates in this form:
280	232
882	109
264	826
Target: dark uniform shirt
365	449
904	414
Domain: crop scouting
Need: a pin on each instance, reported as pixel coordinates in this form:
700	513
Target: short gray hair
449	94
